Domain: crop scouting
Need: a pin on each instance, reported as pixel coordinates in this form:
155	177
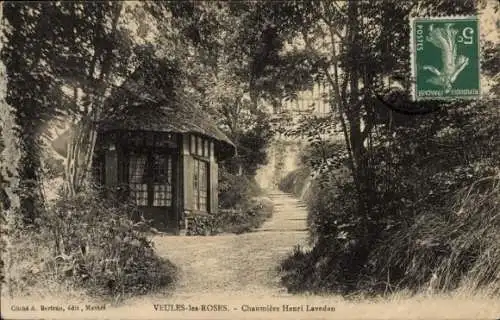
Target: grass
37	274
84	246
32	273
457	250
240	269
296	181
446	252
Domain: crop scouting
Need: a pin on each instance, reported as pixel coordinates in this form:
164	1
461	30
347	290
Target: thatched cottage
160	149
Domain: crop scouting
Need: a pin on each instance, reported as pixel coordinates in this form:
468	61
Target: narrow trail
245	264
241	271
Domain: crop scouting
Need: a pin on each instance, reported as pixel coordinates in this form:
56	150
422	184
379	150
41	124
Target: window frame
196	191
98	170
149	177
200	152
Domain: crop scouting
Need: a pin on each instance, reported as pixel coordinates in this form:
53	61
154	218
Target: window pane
200	187
199	146
196	178
203	204
196	174
160	168
162	195
149	139
204	187
137	175
203	176
162	179
136	140
169	170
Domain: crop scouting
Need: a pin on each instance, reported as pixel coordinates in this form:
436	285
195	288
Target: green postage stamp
445	56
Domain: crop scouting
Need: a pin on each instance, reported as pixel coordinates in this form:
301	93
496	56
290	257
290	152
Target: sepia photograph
250	159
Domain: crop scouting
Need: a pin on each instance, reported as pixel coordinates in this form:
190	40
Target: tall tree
9	165
63	59
9	144
205	38
30	89
98	53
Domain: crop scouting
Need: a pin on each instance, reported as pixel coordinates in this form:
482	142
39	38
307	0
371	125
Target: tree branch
328	22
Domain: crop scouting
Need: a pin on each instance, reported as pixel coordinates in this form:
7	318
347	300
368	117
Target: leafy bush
462	249
249	218
295	181
203	225
236	221
236	190
298	272
91	244
433	217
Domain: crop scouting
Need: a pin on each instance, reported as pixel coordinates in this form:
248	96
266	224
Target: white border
412	48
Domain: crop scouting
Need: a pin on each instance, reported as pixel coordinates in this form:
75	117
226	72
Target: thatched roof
149	101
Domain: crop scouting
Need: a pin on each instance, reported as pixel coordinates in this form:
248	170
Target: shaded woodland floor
243	269
237	270
229	263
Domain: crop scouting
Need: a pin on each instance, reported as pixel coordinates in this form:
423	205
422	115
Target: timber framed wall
194	174
200	176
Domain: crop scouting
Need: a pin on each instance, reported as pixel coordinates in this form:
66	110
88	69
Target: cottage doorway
151	181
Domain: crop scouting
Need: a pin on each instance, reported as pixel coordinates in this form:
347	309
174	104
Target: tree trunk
353	108
10	155
81	149
362	177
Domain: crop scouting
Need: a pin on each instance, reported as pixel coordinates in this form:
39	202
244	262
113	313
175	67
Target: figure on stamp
445	39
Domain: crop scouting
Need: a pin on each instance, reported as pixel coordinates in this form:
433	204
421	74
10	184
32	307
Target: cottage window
98	169
137	179
200	186
162	181
150	179
199	146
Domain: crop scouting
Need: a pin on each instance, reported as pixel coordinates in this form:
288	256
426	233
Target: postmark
445	58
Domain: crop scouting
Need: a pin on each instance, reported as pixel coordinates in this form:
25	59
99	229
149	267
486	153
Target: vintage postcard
250	159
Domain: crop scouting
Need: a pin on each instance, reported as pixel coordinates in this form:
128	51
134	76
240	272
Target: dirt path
238	264
239	272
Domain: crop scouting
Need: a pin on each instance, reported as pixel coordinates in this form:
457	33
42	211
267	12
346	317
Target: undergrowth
251	216
430	254
432	218
241	207
445	253
295	181
86	245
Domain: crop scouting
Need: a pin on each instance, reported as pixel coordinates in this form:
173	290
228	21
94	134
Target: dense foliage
241	207
87	243
397	201
436	218
392	206
247	218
